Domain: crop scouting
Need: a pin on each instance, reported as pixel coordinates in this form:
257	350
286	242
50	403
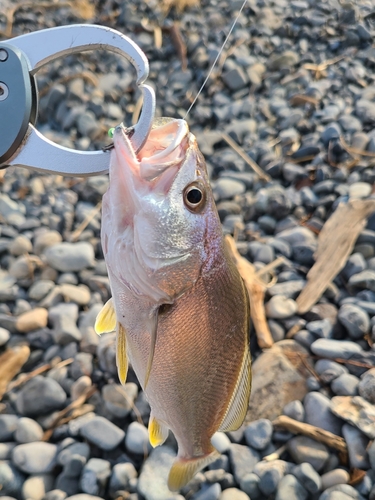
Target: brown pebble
32	320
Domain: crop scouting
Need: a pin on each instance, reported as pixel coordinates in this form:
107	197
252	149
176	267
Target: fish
179	306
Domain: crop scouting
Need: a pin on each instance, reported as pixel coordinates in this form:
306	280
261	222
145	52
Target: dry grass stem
320	435
246	157
90	216
256	290
25	377
88	76
74	405
11	362
335	243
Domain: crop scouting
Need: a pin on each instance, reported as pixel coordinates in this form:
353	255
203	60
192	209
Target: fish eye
194	197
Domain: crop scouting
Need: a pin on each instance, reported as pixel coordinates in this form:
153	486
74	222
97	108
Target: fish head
159	216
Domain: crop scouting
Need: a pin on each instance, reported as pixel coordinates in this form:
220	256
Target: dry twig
320	435
256	289
38	371
89	217
246	157
79	402
335	243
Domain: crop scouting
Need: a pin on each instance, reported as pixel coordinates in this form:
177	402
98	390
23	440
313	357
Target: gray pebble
340	492
303	449
67	257
63	318
243	460
40	396
250	485
357	444
103	433
35	458
280	307
4	336
95	476
345	385
8	425
221	442
291	489
364	279
355	264
258	434
119	399
136	439
40	289
28	431
11	479
307	476
355	320
121	475
224	189
321	328
208	492
318	413
152	483
366	386
330	348
295	410
334	477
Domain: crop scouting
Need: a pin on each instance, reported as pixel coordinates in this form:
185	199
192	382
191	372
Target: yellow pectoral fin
157	432
121	355
106	319
183	470
239	403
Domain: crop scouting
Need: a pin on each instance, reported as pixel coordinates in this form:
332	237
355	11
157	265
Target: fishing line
216	59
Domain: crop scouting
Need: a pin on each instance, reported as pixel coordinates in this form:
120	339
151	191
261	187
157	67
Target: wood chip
335	243
11	363
256	289
313	432
356	476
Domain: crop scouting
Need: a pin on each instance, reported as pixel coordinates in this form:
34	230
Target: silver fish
179	305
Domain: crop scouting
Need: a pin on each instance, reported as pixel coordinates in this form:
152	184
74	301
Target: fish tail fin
184	469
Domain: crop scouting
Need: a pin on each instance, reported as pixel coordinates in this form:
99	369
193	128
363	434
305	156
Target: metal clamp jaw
20	143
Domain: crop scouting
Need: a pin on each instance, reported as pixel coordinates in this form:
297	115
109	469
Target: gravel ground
295	89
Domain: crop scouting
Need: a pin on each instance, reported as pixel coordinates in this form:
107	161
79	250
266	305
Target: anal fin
121	354
184	469
239	402
157	432
106	319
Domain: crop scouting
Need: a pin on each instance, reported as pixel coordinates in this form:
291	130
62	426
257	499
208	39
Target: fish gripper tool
21	144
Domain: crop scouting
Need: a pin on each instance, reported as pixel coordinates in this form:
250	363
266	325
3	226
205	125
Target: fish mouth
158	161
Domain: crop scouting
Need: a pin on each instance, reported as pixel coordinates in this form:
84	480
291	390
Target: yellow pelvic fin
106	319
239	402
157	432
152	328
183	470
121	355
